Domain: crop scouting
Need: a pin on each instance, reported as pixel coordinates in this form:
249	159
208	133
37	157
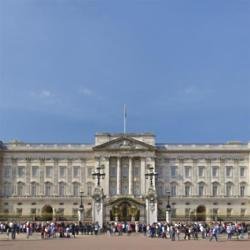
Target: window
137	171
242	190
20	189
48	189
76	171
49	171
7	190
215	213
62	172
201	171
215	189
33	189
76	189
7	171
173	190
113	171
229	189
112	187
187	171
20	171
160	189
173	171
215	171
229	171
61	189
89	189
35	171
90	170
229	212
201	189
187	189
242	172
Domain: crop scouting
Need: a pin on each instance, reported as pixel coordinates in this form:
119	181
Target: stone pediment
124	143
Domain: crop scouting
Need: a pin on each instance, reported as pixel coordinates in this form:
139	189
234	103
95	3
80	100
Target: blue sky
68	66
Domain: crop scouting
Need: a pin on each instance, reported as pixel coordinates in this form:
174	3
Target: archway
47	213
201	213
124	211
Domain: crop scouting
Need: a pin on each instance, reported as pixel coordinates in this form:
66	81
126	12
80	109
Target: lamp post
98	175
168	209
151	174
81	209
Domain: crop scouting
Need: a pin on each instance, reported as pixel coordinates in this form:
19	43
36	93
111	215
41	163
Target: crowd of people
178	231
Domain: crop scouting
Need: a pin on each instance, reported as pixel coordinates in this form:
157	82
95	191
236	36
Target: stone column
143	180
130	177
118	179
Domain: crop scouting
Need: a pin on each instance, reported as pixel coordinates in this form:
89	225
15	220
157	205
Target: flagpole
124	119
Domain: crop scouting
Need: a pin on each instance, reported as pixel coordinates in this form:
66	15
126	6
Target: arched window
7	189
62	189
160	188
201	189
33	189
215	189
242	189
229	189
89	188
76	189
48	189
187	189
173	189
20	189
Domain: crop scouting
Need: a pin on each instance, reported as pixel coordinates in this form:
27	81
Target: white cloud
42	94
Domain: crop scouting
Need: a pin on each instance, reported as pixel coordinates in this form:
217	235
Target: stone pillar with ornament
98	198
151	197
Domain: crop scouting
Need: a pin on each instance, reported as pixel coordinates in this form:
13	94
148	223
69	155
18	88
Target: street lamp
97	174
151	174
168	208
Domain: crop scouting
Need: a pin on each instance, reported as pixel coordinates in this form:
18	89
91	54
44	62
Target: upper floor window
62	172
173	171
76	189
113	171
215	171
187	189
229	189
187	171
35	170
49	170
160	188
201	171
242	190
90	170
7	189
215	189
76	171
48	189
7	171
33	189
173	189
242	171
229	171
20	189
89	189
201	189
61	189
20	171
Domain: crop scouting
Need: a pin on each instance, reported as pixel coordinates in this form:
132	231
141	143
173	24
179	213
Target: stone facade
205	181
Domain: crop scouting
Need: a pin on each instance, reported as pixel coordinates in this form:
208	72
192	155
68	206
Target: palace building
199	181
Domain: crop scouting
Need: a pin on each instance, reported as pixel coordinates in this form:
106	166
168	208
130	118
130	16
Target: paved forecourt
104	242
